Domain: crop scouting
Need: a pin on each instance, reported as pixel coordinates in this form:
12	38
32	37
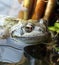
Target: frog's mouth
28	30
24	30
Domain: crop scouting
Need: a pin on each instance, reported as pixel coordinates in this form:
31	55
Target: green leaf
56	25
52	28
57	49
57	31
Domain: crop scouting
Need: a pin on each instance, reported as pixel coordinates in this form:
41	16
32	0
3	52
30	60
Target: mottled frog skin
30	32
27	31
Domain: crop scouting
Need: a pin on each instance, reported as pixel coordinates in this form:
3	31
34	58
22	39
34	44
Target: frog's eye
29	27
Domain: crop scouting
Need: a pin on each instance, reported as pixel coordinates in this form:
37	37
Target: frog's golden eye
29	27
